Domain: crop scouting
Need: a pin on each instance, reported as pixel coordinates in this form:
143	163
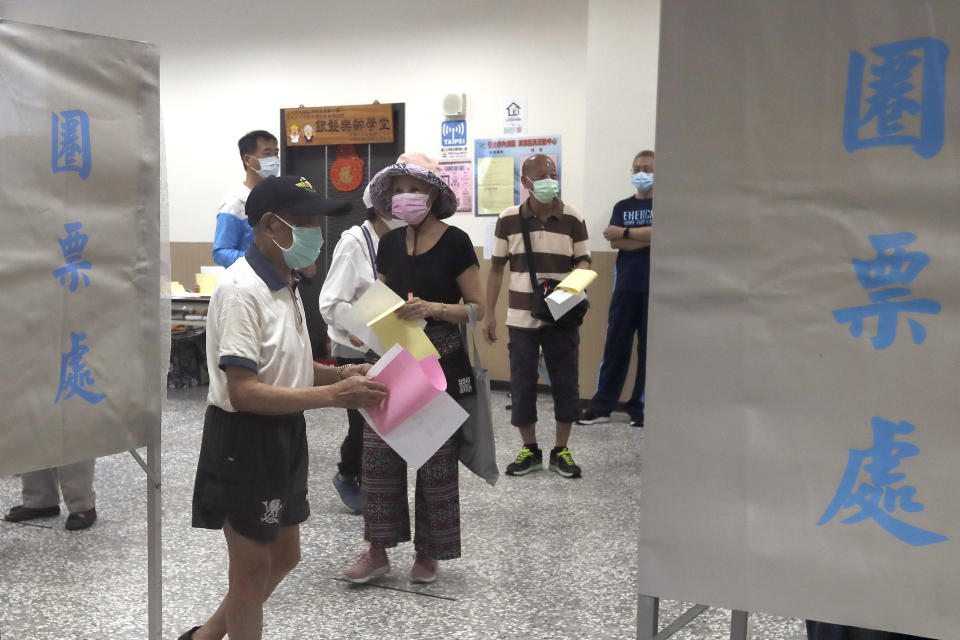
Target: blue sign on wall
453	133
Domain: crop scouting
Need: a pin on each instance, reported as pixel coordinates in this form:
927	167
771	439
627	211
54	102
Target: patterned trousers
386	513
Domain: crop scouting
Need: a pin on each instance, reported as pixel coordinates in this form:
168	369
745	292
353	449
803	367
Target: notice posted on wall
499	161
459	175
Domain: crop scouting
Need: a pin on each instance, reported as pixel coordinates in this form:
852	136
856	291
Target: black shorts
561	355
252	473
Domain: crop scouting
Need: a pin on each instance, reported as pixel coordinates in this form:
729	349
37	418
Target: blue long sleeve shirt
234	235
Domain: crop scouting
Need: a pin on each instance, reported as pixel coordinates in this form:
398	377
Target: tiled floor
543	557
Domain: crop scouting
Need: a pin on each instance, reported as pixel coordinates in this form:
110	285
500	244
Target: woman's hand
355	341
417	309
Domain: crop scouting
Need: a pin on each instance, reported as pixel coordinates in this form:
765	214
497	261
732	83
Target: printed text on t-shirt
638	218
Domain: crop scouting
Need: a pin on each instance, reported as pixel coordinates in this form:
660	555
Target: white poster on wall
801	445
80	256
513	111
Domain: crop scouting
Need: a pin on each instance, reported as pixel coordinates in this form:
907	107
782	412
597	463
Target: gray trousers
40	488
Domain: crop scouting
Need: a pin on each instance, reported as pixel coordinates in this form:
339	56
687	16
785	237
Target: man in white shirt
252	471
260	155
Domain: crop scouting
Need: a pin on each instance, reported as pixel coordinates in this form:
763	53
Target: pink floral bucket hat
422	167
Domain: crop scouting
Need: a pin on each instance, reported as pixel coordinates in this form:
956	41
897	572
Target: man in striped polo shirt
558	239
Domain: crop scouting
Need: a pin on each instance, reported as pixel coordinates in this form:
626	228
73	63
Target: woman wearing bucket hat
433	266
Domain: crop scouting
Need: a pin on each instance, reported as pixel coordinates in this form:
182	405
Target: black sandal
188	635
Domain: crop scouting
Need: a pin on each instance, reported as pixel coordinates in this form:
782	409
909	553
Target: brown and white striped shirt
557	246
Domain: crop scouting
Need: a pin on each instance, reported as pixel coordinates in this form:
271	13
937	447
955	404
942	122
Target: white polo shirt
256	320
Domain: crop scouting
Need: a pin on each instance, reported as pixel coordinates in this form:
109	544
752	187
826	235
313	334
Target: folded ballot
570	292
418	416
373	319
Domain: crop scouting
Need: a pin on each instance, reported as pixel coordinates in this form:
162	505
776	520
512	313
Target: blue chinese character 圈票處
74	376
72	249
879	501
896	95
893	265
70	139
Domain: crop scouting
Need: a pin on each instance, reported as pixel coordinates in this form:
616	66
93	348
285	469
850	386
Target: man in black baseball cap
293	195
252	474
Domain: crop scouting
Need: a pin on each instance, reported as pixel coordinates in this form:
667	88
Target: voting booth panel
801	443
80	255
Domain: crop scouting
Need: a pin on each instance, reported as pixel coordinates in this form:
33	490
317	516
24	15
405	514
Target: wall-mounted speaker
455	105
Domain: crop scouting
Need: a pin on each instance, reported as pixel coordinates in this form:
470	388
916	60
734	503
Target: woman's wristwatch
626	232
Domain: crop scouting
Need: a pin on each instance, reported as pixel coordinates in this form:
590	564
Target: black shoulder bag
543	287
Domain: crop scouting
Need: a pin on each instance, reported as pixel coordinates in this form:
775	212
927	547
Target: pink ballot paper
418	416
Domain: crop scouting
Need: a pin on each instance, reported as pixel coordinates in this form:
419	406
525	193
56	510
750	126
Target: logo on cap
305	184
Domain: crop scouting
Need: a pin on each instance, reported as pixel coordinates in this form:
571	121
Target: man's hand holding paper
419	416
357	392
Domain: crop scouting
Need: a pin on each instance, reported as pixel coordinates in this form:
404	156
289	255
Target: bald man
558	238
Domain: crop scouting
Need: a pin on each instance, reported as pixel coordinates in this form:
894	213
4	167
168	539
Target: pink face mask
410	207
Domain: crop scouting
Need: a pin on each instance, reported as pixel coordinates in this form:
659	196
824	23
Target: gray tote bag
478	451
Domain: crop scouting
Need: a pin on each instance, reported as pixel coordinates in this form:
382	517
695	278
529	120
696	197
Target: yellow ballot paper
391	330
578	280
376	302
376	309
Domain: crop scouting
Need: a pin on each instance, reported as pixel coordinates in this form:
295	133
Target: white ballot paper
355	325
372	316
570	292
561	301
418	416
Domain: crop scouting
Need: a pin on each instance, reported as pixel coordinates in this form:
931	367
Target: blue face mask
305	248
642	181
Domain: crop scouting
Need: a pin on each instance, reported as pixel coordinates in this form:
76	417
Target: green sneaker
527	460
562	462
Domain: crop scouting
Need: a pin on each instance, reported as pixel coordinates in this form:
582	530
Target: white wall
621	91
229	66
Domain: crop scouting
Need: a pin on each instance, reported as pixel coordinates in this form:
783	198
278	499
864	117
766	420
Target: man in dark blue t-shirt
629	232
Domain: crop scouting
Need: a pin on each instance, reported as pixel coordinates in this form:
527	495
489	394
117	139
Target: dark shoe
81	520
188	635
589	417
527	460
636	422
20	513
349	492
562	462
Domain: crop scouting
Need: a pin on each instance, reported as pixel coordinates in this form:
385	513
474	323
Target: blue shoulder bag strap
370	250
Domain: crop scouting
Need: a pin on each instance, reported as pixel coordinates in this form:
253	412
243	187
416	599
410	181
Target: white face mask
269	167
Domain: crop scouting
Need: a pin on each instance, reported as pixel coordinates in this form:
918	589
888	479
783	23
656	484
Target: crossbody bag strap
528	248
370	250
